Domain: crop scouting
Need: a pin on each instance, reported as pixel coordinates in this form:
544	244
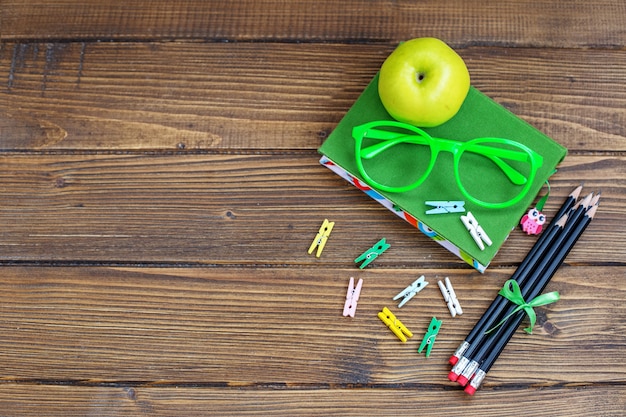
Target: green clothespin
372	253
429	337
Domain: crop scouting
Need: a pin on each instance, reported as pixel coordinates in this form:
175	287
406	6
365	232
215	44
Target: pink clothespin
349	308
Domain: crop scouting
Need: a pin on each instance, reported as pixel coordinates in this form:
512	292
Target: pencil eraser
453	360
470	390
462	380
452	376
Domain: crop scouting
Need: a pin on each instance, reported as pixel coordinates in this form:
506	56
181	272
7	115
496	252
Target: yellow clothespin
394	324
321	238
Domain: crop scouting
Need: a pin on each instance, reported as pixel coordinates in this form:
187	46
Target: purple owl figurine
533	221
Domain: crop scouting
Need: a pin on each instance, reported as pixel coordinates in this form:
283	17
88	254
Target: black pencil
474	340
569	202
469	362
529	261
463	370
548	269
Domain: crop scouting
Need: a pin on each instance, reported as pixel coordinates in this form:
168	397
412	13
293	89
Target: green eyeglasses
490	172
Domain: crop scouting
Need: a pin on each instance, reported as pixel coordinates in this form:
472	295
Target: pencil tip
587	200
595	200
592	212
574	194
562	220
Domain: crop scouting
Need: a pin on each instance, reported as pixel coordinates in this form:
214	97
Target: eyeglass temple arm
495	153
391	139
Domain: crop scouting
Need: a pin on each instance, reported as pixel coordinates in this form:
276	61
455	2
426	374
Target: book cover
479	116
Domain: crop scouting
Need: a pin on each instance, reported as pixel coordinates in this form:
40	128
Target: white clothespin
476	230
349	308
410	291
449	297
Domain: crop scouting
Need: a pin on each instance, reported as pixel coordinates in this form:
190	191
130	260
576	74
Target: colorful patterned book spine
420	225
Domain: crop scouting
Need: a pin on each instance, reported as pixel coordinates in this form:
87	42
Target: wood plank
224	326
159	187
29	400
533	22
198	96
242	209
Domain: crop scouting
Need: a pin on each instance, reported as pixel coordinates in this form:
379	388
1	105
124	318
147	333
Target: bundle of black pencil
482	346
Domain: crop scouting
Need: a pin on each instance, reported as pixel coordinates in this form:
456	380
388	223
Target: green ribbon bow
511	291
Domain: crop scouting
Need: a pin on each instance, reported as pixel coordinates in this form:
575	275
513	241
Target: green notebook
479	116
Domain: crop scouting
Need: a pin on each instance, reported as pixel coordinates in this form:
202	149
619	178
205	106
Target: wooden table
160	188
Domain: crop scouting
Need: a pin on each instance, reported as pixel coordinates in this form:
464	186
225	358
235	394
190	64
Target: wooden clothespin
394	324
349	308
321	238
372	253
449	297
410	291
429	338
475	230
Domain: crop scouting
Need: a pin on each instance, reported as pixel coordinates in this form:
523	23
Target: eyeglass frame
457	148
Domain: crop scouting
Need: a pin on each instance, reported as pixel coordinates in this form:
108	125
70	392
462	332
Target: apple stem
419	77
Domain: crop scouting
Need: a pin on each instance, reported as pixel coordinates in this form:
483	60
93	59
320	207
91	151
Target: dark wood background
160	187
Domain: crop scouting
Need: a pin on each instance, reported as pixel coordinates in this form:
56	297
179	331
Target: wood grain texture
160	185
193	96
264	326
252	209
529	22
28	400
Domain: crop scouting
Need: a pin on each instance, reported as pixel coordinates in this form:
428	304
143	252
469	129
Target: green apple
423	82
